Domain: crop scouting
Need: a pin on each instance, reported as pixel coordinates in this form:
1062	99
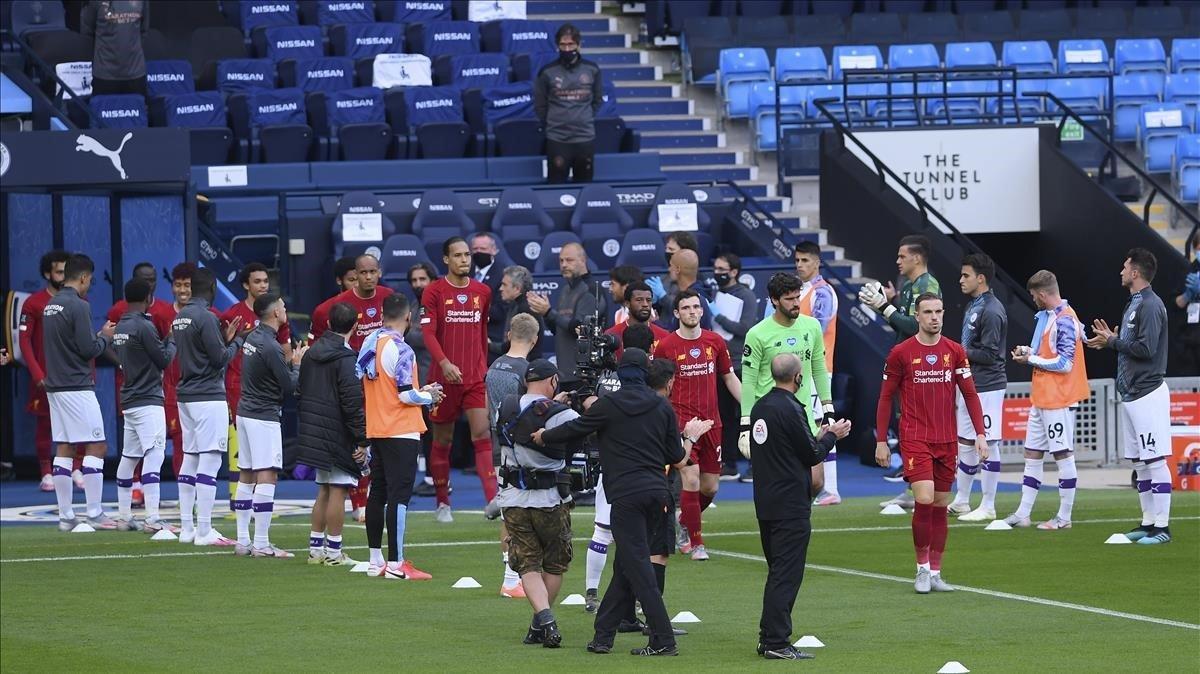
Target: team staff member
567	94
638	435
727	267
51	266
819	300
420	275
536	509
785	451
70	346
576	302
332	435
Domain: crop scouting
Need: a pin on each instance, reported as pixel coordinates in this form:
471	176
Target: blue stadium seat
364	40
203	114
334	12
875	27
519	36
386	71
1044	23
510	121
551	246
472	71
1158	126
354	227
913	57
358	124
792	102
613	136
739	68
119	111
1185	53
1032	57
1130	92
327	73
259	14
1183	88
439	217
1186	168
939	27
700	43
415	12
235	75
1101	22
400	253
801	64
279	130
970	55
995	26
1082	56
841	8
521	219
164	78
963	110
599	220
1083	95
1158	21
642	248
1030	104
291	42
1146	54
435	116
974	6
903	111
33	17
527	66
608	100
443	37
832	97
679	193
855	57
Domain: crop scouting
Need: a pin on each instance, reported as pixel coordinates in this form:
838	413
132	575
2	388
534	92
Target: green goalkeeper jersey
769	339
904	320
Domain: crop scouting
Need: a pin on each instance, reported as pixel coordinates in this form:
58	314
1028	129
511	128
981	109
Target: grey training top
566	99
984	336
503	379
267	378
531	459
69	343
202	353
117	28
143	358
1141	345
575	303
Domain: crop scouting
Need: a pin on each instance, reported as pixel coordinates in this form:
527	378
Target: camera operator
581	298
535	495
638	436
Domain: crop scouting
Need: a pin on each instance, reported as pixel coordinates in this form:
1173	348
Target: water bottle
364	468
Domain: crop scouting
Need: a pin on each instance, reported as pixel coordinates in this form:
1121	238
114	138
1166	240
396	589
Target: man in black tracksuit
118	60
784	450
566	96
639	437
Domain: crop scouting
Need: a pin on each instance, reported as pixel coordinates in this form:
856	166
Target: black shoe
747	475
423	488
629	626
785	653
536	635
550	635
599	648
729	472
591	602
648	651
674	630
895	475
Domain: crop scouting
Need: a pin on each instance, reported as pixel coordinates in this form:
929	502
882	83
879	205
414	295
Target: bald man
580	297
684	272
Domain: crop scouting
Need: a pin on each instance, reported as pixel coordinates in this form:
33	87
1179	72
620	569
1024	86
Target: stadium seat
913	57
508	120
279	130
435	117
119	111
1186	168
792	102
519	36
332	13
1162	21
260	14
678	193
970	55
1033	57
1082	56
1130	92
832	96
237	75
358	124
400	253
164	78
760	31
355	229
1027	99
521	219
613	136
397	70
289	42
701	42
995	26
962	110
770	8
1044	23
1185	54
551	246
1139	55
842	8
1183	88
818	28
209	46
903	111
739	68
855	57
642	248
1158	126
1101	22
203	114
439	217
32	17
414	12
365	40
936	27
875	27
973	6
527	66
1083	95
600	222
472	71
443	37
801	64
327	73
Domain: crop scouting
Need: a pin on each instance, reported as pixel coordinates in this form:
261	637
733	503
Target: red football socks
939	530
689	516
921	528
439	470
484	468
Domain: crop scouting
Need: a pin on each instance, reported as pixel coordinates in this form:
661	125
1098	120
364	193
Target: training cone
466	583
361	567
953	667
998	525
1118	539
83	528
892	509
685	617
164	535
809	641
573	600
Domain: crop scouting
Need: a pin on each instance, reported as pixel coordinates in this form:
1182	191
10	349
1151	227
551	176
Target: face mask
799	381
668	256
481	260
568	57
722	279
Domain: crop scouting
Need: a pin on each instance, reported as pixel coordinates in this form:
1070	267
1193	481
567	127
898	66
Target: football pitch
1028	600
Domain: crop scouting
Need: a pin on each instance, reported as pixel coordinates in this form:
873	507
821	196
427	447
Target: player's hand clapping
298	354
231	329
1021	354
436	391
1101	333
840	428
108	330
538	302
451	372
697	427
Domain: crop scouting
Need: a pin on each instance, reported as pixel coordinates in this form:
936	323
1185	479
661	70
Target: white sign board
77	75
1084	56
981	180
857	61
491	10
362	227
401	70
1163	119
677	217
227	176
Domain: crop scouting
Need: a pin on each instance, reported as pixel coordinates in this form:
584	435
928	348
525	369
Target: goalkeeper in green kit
785	331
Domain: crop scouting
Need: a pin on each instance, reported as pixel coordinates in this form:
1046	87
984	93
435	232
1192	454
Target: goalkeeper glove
828	417
744	437
872	296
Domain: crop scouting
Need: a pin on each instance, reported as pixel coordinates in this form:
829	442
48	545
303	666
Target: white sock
991	476
377	557
151	491
264	506
125	486
1030	486
510	577
93	484
1145	496
830	465
923	567
333	546
1160	490
316	543
1067	476
597	555
63	487
242	502
187	493
206	490
968	467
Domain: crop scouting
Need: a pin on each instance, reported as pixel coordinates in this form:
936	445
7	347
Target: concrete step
539	9
655	106
682	139
586	22
668	122
755	188
646	89
605	40
711	172
617	72
617	56
697	156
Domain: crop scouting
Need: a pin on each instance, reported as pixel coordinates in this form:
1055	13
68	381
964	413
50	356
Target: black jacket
783	450
332	416
639	438
508	310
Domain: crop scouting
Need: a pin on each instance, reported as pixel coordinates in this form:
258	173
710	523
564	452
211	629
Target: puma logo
88	144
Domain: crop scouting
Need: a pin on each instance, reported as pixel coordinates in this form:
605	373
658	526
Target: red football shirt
233	373
370	314
454	323
699	364
926	377
30	340
618	330
161	314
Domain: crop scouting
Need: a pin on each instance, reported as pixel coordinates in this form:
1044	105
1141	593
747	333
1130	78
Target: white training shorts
1146	425
205	426
336	477
75	417
145	429
1050	430
603	509
260	444
992	403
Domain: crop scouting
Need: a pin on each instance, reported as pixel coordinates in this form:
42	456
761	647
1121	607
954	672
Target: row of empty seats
1185	168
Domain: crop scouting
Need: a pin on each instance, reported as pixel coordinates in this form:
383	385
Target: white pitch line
982	591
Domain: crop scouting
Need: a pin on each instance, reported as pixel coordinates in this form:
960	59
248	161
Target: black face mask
722	279
668	256
568	58
481	260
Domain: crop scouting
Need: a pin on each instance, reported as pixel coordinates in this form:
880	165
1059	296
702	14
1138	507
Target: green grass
191	613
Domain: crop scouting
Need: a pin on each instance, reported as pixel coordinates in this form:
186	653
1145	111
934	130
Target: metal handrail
57	100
